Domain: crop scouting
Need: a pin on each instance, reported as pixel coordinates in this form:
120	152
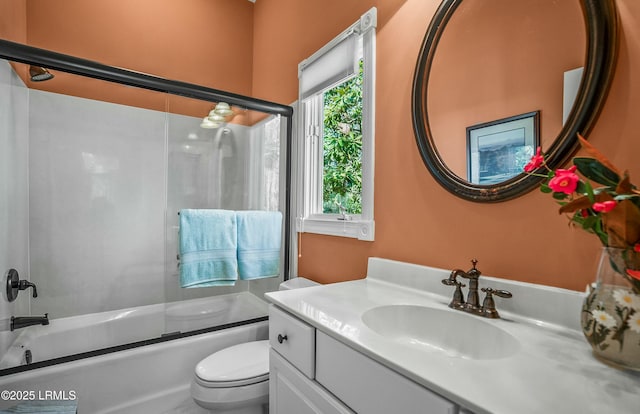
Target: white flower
603	318
627	299
634	322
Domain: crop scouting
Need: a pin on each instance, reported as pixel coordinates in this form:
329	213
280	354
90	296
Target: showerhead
39	74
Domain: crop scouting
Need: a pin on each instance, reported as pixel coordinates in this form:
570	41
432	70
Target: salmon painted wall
206	42
13	25
13	20
416	219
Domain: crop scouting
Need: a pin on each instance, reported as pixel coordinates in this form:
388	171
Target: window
336	154
342	147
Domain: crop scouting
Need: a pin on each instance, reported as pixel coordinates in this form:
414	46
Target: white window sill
356	228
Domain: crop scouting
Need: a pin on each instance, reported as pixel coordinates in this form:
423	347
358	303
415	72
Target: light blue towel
208	244
259	241
41	407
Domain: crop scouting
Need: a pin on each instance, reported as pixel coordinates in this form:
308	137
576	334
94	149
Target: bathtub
144	377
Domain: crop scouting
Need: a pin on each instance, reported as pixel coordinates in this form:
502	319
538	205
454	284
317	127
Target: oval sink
453	333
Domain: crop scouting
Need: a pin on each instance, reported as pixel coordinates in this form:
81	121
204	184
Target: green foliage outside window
342	150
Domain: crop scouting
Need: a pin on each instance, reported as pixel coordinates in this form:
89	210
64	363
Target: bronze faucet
472	305
18	322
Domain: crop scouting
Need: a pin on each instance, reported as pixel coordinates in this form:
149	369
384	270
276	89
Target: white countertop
553	370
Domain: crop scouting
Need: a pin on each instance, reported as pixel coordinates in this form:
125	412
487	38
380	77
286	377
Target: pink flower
634	273
604	207
564	181
535	162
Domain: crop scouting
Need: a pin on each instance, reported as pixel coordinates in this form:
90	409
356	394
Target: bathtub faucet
18	322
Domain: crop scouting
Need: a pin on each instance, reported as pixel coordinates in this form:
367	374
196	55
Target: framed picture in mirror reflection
498	150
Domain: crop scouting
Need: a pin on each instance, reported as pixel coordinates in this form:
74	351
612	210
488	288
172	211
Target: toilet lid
241	364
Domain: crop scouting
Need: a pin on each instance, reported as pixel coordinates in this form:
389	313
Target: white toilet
235	380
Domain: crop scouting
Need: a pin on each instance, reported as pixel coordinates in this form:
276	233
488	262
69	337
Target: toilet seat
231	384
236	366
236	379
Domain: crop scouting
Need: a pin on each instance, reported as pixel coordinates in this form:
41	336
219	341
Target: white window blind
334	62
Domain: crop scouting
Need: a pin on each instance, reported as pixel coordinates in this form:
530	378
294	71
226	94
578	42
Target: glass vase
611	311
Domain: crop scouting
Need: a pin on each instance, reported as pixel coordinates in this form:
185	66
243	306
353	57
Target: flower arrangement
610	210
600	199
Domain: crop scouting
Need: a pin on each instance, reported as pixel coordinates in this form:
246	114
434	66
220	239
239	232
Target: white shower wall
14	207
96	185
106	183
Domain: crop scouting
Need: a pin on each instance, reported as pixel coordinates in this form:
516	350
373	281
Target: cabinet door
368	387
290	392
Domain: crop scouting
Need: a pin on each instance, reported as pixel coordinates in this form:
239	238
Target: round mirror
494	80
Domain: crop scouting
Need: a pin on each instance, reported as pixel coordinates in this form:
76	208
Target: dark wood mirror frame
601	21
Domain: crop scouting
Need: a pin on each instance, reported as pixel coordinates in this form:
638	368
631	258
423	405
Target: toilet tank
296	283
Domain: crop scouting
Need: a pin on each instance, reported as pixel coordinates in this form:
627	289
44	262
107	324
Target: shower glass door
236	163
95	173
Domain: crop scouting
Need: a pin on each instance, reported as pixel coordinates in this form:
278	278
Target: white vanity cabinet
369	387
311	372
292	369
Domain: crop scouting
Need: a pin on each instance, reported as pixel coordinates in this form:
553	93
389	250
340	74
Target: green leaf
588	190
545	188
559	196
598	229
596	171
590	223
582	188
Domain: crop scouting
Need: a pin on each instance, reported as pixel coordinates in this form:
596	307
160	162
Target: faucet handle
488	305
458	299
453	282
25	284
501	293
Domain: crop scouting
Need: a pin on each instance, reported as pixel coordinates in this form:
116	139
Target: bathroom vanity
390	344
325	364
